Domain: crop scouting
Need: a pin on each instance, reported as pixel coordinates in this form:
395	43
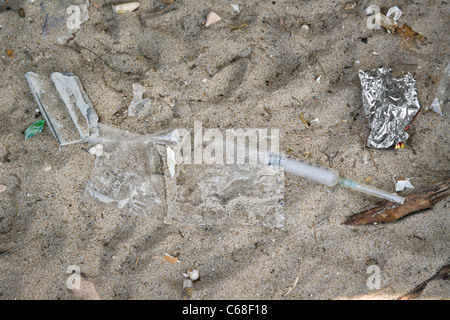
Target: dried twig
389	211
288	290
443	273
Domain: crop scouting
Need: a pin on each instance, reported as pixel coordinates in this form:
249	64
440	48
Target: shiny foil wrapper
390	105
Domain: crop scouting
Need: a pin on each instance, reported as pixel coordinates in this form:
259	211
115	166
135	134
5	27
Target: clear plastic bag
439	104
132	174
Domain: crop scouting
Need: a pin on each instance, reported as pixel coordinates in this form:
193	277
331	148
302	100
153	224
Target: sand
263	69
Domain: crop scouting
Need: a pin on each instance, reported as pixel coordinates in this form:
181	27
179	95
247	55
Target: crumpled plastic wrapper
390	105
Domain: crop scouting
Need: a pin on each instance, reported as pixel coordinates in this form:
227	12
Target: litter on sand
440	103
390	105
376	19
402	183
34	129
65	106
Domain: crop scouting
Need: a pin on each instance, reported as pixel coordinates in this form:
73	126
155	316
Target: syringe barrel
326	176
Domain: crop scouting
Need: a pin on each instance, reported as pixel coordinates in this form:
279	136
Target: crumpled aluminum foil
390	105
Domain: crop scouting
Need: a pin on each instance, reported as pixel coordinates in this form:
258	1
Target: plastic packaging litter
65	106
390	105
376	19
133	174
385	21
440	103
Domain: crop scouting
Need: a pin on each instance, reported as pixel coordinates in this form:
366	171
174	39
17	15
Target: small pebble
2	188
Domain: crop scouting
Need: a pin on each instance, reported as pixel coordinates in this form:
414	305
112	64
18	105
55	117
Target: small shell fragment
212	18
372	9
170	259
193	275
125	7
2	188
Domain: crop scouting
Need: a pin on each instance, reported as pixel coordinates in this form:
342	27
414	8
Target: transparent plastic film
156	175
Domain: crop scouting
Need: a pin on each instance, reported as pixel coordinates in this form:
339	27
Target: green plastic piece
35	128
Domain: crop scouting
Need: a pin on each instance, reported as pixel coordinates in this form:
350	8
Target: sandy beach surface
282	64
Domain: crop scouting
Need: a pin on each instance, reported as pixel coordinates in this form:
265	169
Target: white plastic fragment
235	7
384	21
125	7
394	13
212	18
318	79
371	22
442	98
401	184
372	9
171	161
376	19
